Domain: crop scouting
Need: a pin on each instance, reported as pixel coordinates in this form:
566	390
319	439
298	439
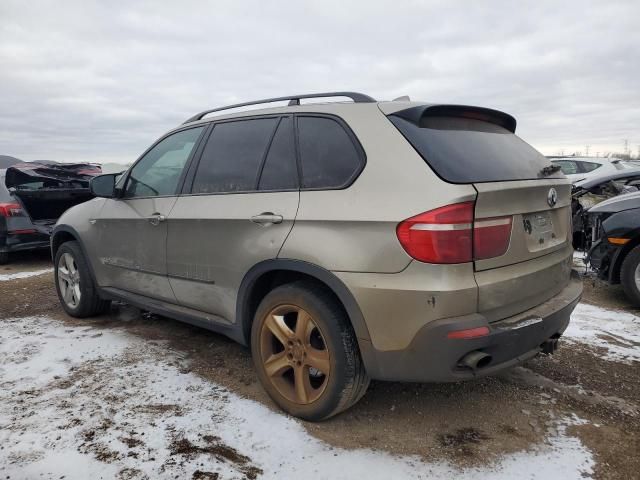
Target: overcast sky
100	81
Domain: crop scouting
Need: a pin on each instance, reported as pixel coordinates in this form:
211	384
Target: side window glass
590	166
280	170
328	156
568	166
233	155
158	172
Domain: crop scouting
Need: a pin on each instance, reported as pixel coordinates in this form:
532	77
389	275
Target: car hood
622	202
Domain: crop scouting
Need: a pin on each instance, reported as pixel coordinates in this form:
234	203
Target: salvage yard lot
132	396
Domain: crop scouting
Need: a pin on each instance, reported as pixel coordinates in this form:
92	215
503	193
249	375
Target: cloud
99	81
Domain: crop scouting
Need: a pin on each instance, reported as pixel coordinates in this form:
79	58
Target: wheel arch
60	235
266	275
65	233
618	259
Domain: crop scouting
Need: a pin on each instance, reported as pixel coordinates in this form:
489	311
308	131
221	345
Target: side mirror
104	185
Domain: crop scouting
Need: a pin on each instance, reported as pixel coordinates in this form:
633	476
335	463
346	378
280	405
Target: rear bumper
433	357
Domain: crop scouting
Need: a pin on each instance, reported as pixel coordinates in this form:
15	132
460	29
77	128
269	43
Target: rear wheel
76	290
630	275
306	353
4	258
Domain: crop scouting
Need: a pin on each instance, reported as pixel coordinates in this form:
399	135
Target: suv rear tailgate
514	270
537	263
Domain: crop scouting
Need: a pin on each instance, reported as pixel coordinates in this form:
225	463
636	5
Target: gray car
341	241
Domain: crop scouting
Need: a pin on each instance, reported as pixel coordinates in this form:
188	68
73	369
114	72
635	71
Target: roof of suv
412	110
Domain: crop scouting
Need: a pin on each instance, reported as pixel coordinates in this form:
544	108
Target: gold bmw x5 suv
340	241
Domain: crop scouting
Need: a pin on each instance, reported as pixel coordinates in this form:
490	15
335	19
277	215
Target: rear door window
280	171
233	155
328	154
467	150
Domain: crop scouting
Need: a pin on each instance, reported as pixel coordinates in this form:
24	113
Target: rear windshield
465	150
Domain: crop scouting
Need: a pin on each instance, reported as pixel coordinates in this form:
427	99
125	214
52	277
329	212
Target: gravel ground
572	415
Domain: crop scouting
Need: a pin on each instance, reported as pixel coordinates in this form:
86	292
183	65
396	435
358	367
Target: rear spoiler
416	114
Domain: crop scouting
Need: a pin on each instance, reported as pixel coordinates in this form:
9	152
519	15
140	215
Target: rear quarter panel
354	229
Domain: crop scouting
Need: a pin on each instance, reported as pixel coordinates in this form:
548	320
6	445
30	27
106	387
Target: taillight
10	210
491	237
442	235
450	235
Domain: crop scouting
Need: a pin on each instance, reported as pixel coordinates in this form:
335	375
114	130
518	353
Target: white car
581	168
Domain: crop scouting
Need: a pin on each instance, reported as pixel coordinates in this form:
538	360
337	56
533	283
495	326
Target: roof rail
293	100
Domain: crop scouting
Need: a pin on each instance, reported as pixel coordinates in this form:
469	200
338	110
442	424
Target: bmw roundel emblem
552	197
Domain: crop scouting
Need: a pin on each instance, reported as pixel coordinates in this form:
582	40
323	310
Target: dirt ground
468	424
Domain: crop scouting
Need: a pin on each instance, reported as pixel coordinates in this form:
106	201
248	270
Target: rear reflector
450	235
10	210
469	333
21	232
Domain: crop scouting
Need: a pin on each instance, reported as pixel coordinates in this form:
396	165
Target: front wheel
305	352
74	283
630	275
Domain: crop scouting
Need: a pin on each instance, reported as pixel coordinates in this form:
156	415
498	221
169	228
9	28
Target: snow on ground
5	277
617	332
88	403
578	259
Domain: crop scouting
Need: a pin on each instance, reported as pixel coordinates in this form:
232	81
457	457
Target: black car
32	198
17	231
615	242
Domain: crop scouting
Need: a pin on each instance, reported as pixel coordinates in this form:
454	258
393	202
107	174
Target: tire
631	265
73	278
328	341
4	258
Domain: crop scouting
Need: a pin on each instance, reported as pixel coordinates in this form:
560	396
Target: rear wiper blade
550	169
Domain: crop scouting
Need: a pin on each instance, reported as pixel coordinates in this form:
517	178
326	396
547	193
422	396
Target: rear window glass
568	167
590	166
464	150
328	155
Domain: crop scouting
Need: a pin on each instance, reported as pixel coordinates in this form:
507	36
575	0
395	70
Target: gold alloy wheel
294	354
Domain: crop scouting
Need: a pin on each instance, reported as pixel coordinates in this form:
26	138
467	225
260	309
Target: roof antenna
403	98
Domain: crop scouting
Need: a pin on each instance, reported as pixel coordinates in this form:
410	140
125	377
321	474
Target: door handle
156	218
266	218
